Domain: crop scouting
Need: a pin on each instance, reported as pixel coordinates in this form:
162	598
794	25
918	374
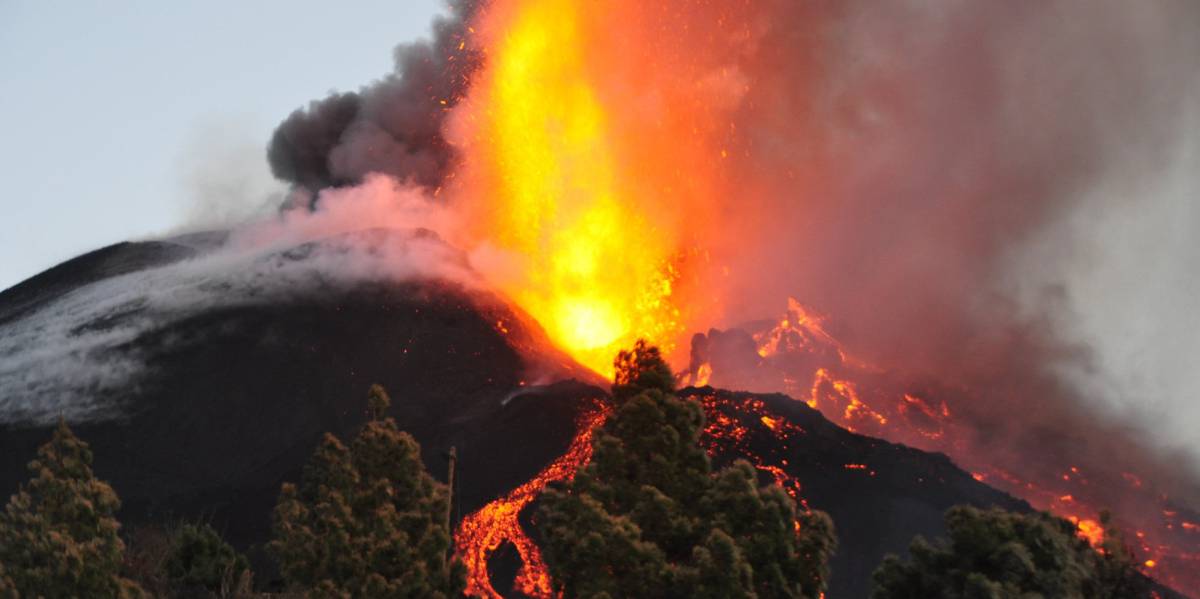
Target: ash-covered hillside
203	380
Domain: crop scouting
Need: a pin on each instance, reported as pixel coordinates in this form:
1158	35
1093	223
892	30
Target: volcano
201	393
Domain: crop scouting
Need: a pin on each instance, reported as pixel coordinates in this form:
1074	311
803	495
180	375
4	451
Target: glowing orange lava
730	423
1089	529
593	146
483	532
576	176
907	417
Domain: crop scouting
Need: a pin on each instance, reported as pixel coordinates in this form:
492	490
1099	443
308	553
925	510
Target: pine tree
58	534
367	520
649	517
994	553
641	369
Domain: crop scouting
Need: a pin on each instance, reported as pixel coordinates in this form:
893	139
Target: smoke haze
223	178
1001	196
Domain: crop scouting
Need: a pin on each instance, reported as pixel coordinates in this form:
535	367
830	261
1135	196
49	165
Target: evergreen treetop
58	533
367	520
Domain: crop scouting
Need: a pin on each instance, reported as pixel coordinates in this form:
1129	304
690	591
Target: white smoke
222	175
1120	275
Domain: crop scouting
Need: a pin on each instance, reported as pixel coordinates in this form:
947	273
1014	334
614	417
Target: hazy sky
113	112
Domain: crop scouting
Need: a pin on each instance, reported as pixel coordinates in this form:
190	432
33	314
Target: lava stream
728	431
483	532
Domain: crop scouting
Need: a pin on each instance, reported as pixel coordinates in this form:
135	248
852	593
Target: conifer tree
649	517
994	553
367	520
58	533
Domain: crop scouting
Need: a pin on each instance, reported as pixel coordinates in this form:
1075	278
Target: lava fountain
585	207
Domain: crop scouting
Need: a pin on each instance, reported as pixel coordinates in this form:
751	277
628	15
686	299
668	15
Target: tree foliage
199	558
367	520
994	554
8	589
648	516
641	369
58	534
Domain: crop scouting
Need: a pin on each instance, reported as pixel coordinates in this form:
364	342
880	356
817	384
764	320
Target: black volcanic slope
117	259
879	494
235	398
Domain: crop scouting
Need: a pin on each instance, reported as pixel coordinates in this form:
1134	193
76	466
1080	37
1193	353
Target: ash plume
931	175
392	126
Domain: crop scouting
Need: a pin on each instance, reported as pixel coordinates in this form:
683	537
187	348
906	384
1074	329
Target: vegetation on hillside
198	558
367	520
59	536
997	554
649	516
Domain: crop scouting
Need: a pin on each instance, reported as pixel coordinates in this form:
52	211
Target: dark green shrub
199	558
999	554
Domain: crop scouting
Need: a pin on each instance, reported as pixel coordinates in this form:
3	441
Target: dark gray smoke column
392	126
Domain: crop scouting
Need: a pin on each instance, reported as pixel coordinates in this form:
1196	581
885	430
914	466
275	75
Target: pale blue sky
110	111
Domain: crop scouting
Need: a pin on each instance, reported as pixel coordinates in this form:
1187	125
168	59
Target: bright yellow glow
598	274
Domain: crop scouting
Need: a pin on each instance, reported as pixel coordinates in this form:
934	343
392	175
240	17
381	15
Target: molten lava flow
483	532
800	327
914	408
829	391
810	364
731	424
